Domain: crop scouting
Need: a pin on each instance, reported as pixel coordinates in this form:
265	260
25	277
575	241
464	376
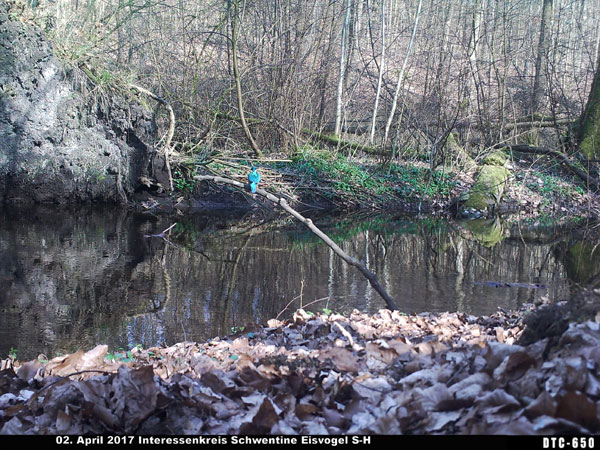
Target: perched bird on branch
253	178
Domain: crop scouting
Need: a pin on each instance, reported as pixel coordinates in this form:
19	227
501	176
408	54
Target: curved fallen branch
170	132
282	203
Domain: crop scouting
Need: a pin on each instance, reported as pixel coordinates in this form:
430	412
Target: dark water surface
72	279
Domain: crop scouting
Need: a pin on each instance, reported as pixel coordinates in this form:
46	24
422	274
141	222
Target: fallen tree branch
344	145
539	124
282	203
586	177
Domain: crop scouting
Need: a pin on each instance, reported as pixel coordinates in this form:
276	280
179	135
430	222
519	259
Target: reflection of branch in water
162	235
231	284
158	304
166	277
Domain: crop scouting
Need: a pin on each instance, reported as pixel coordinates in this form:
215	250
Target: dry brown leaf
269	371
28	370
15	426
514	366
432	397
105	415
496	353
274	323
63	421
305	411
481	379
254	399
520	426
202	364
543	405
428	375
217	381
576	373
263	421
578	408
380	351
592	386
367	331
403	350
135	395
439	420
499	406
64	365
93	359
363	422
342	358
334	418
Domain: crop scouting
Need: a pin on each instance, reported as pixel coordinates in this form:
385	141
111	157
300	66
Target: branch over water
282	203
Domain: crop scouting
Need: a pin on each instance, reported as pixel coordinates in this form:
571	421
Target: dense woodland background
384	73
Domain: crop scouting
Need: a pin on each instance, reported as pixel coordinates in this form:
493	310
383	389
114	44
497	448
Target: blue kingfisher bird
253	178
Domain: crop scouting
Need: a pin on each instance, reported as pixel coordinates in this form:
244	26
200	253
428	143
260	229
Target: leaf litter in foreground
386	373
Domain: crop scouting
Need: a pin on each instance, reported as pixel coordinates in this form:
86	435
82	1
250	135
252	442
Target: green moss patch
497	158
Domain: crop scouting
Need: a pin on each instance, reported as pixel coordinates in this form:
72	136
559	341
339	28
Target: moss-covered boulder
486	193
497	158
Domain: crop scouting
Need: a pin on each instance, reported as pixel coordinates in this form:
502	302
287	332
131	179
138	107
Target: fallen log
345	145
282	203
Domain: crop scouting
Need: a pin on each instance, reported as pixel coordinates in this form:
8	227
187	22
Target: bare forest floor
533	371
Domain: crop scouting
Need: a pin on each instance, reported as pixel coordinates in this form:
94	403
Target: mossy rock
487	191
497	158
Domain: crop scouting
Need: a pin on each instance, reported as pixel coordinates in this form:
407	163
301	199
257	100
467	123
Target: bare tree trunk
340	88
325	72
541	62
473	52
380	78
236	76
388	125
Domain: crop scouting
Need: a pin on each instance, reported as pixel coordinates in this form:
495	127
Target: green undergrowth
338	178
550	185
349	177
